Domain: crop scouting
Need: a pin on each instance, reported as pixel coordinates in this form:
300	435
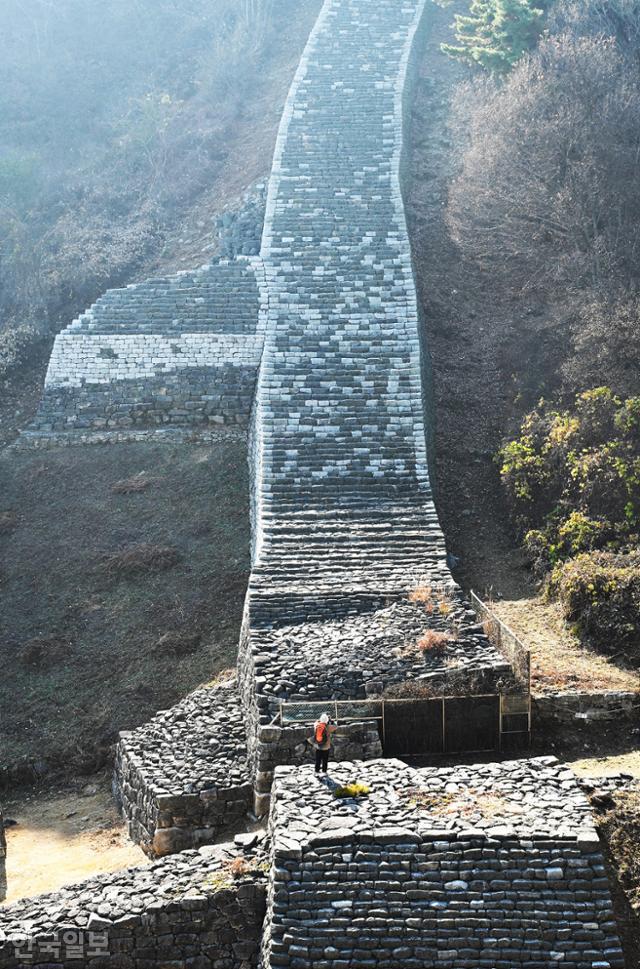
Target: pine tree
497	32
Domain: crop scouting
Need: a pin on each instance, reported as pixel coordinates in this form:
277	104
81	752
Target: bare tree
549	191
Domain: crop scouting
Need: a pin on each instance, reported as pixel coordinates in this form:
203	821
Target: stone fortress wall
174	351
188	910
344	522
343	519
496	866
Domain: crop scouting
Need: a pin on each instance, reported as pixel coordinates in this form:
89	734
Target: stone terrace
183	777
494	865
370	652
178	350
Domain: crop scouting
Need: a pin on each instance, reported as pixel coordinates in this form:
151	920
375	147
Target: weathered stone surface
481	865
186	910
183	777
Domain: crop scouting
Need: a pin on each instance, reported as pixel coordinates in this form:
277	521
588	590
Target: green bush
572	478
600	595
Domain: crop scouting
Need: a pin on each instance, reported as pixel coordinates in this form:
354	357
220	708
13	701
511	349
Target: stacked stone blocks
189	910
494	866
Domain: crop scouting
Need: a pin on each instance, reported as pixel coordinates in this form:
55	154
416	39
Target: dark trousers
322	760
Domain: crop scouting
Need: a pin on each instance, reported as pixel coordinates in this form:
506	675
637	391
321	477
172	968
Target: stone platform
494	865
183	778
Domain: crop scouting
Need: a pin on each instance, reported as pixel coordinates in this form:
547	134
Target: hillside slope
122	575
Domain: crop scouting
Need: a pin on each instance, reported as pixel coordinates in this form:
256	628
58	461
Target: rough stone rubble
494	865
193	906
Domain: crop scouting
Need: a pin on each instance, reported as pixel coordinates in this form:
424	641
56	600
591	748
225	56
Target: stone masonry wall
182	779
179	350
344	523
615	706
494	866
189	910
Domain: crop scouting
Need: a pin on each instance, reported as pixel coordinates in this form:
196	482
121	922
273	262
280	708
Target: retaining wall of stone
563	708
182	779
188	910
408	877
179	350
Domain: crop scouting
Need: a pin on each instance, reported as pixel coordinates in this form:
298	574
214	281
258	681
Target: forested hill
124	128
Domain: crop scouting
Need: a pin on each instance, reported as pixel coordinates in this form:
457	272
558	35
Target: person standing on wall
323	730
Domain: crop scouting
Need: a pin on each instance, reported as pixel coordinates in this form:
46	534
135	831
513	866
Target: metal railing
505	640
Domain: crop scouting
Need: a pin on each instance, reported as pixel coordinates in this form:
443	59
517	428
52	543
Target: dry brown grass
558	660
240	867
434	641
131	486
140	560
467	803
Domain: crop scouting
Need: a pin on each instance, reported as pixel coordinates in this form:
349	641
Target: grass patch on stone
466	803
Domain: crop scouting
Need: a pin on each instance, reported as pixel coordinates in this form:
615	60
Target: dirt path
64	837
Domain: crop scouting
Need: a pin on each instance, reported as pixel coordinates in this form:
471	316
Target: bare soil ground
65	836
123	570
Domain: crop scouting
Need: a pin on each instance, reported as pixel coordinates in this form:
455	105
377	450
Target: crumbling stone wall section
182	778
179	350
185	910
491	865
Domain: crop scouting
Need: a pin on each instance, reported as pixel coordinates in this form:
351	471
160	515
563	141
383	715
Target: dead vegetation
466	803
140	560
133	486
113	607
45	653
618	821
